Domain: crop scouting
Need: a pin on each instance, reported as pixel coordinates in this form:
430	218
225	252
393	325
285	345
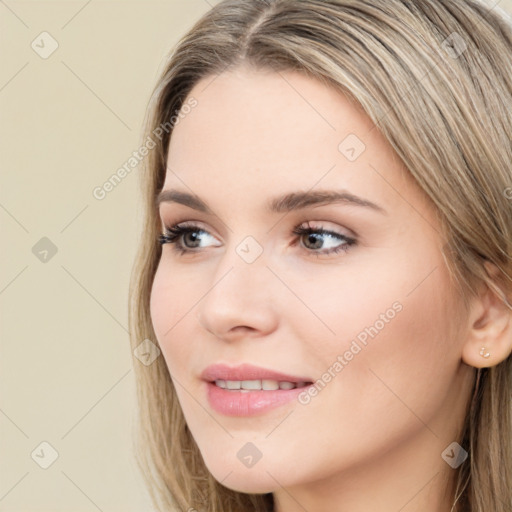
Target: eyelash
174	233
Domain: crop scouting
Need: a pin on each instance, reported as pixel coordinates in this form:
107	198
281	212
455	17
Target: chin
253	480
248	483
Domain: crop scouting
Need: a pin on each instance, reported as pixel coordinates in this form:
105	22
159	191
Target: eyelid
174	233
195	225
306	224
178	214
187	221
308	221
324	225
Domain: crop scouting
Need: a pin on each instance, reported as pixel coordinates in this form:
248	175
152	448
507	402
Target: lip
248	403
246	372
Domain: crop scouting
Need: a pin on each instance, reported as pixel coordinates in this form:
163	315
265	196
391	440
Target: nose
241	300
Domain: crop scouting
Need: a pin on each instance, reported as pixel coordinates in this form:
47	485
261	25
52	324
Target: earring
483	352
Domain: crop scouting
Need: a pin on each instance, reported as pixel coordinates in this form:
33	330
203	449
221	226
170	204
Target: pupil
314	238
193	235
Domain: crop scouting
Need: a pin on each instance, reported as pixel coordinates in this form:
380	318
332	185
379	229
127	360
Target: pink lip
249	403
246	372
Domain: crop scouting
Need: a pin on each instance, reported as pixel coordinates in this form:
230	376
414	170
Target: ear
489	340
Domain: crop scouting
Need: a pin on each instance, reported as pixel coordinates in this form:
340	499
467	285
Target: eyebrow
285	203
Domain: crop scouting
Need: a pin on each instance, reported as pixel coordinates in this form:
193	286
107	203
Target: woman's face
366	309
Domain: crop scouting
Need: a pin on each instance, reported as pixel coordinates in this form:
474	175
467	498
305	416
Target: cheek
410	353
169	307
343	305
393	328
159	304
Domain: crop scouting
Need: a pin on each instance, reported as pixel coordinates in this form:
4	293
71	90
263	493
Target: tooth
255	385
251	384
269	384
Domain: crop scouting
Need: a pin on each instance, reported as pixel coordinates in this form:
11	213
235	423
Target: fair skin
372	439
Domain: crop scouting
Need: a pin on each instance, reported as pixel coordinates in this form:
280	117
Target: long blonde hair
436	79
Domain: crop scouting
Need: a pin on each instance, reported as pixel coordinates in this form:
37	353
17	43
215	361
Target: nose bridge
243	264
239	294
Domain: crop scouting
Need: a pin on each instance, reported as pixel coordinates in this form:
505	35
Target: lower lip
238	403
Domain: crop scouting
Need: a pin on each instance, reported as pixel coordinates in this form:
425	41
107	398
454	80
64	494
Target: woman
326	261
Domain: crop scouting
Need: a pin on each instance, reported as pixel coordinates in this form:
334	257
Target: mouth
247	390
258	385
247	377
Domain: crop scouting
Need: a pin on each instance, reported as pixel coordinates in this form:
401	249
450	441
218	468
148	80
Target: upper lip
246	372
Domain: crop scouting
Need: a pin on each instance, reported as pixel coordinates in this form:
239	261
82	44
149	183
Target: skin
372	438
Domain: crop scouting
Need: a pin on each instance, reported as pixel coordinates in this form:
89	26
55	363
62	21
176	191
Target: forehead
267	117
261	131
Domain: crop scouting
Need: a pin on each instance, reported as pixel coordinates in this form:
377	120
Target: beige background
67	123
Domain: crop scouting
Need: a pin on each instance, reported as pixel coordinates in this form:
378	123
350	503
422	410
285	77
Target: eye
319	237
188	233
185	239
